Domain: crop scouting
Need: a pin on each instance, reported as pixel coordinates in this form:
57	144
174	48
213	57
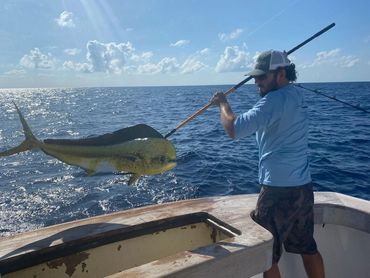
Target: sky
91	43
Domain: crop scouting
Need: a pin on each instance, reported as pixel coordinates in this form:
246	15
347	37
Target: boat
206	237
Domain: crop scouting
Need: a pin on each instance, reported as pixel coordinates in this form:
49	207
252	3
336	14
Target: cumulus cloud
254	58
79	67
326	55
15	72
65	20
233	59
166	65
348	61
118	58
112	57
224	37
191	65
108	57
72	51
143	57
38	60
335	58
171	65
180	43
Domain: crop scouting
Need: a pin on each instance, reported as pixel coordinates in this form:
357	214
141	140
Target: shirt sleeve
264	113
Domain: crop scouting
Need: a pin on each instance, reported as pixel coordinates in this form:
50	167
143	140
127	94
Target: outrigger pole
233	89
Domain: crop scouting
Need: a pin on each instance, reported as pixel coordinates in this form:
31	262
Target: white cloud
204	51
333	57
348	61
171	65
191	65
166	65
148	68
118	58
108	57
72	51
230	36
80	67
15	72
326	55
145	56
233	59
37	60
194	63
256	56
65	20
180	43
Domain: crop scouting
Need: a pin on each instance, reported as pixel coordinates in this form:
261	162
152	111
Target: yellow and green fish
137	150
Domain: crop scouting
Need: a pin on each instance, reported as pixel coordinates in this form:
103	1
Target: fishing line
333	98
206	168
226	143
272	18
208	171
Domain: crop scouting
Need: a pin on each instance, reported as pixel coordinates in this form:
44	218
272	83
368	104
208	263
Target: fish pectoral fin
134	177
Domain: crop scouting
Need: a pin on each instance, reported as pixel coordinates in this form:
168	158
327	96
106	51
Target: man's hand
226	114
218	98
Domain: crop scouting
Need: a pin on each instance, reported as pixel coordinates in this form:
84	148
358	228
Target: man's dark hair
291	73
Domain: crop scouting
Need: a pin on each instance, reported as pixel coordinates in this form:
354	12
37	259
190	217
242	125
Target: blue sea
37	190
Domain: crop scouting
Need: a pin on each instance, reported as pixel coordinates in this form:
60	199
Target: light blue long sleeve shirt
280	122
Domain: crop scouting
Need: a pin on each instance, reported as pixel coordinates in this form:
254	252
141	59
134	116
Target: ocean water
37	190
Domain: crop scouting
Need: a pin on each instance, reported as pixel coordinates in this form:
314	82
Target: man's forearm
227	119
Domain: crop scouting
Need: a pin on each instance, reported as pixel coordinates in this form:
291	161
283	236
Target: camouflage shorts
287	212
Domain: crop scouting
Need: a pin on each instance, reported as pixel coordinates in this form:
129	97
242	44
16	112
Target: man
279	119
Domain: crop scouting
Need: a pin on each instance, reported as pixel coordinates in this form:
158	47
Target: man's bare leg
314	265
273	272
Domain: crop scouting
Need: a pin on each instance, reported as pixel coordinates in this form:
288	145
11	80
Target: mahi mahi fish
137	150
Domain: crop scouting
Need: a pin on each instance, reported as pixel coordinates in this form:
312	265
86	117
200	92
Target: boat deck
243	251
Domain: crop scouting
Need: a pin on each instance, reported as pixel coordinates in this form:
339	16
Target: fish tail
31	141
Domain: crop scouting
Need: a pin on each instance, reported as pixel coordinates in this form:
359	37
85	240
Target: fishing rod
333	98
233	89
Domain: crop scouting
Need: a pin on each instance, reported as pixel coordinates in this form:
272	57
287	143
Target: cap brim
255	72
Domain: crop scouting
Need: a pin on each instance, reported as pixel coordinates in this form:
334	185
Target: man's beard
272	86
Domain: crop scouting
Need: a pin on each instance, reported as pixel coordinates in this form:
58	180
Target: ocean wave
38	190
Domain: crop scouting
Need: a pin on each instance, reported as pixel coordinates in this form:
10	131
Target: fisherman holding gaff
279	120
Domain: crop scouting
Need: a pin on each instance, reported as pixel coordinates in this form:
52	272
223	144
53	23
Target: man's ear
281	74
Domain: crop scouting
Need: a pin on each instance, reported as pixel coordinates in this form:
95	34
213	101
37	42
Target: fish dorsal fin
116	137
